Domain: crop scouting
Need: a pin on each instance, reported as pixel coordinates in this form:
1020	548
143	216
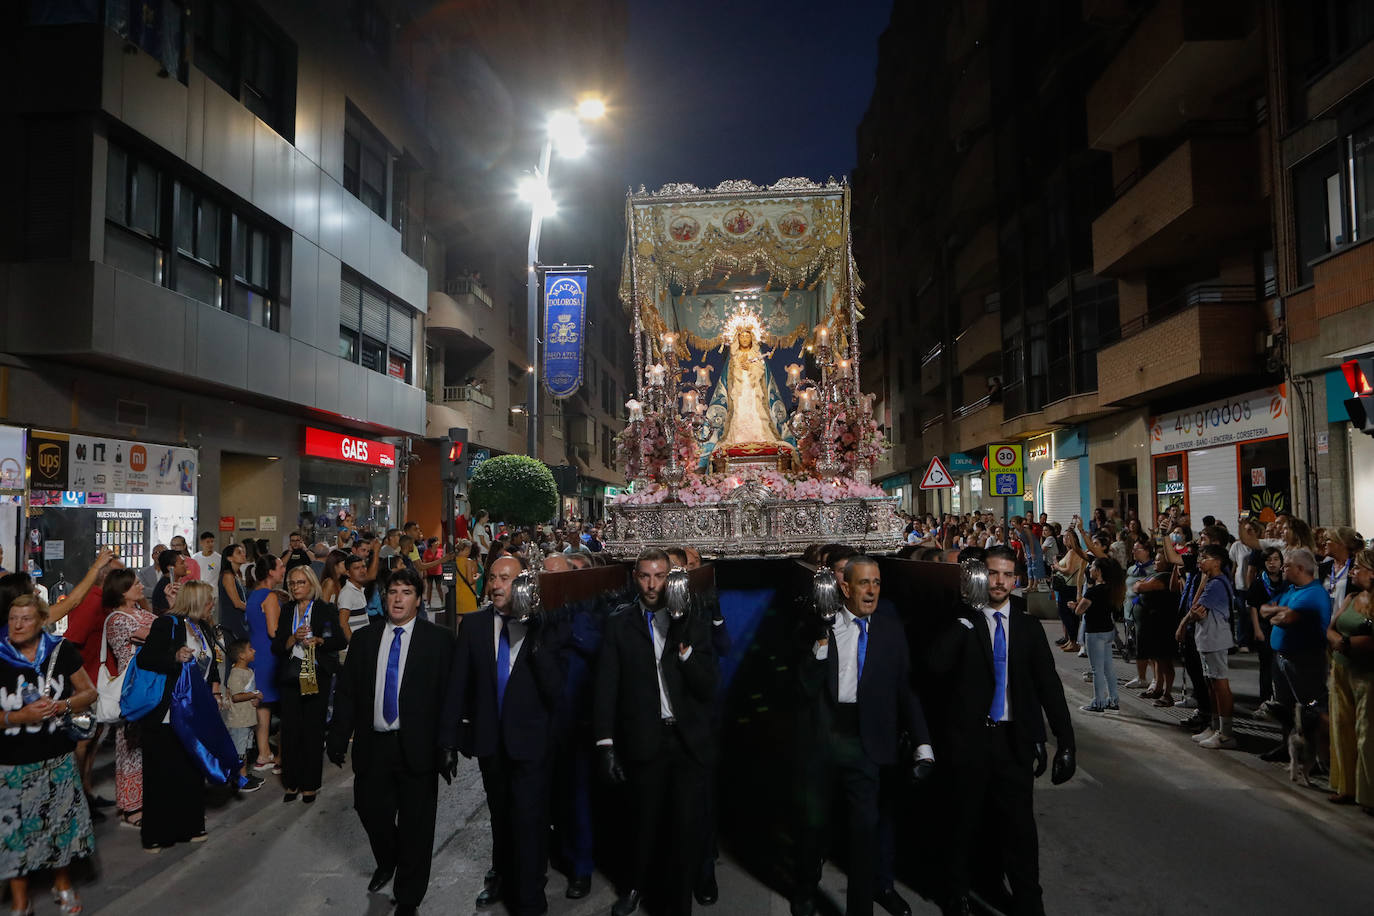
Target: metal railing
454	393
469	286
969	409
933	353
1197	294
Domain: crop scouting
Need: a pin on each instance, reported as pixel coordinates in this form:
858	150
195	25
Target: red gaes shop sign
321	443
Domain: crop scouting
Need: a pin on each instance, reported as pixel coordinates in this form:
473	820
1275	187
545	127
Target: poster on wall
102	465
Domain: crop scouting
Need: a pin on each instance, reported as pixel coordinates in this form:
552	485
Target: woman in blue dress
262	613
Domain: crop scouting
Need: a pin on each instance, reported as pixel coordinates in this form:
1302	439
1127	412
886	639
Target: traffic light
1359	373
453	459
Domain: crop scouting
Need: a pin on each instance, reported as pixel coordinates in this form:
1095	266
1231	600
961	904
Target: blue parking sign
1006	485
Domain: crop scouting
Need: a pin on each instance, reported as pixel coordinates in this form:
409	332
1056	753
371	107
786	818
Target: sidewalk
1255	734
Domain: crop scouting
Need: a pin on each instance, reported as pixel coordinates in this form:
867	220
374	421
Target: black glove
678	631
1065	764
336	757
448	764
611	770
922	769
815	627
1041	761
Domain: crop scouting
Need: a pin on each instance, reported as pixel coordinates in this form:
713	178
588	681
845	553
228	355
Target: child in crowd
240	714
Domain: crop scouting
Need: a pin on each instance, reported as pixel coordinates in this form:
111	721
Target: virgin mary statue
753	408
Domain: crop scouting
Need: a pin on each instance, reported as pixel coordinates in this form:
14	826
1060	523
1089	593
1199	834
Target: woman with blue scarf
43	815
1265	590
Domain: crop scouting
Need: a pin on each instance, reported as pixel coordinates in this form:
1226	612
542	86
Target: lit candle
806	395
823	333
657	372
668	343
793	374
636	410
689	401
703	376
844	368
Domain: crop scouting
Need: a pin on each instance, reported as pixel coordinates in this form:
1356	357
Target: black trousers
518	798
397	809
667	796
173	788
993	822
840	768
889	797
302	737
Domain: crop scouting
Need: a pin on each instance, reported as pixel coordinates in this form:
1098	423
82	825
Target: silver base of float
752	523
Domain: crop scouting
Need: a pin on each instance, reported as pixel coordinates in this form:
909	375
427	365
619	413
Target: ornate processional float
748	434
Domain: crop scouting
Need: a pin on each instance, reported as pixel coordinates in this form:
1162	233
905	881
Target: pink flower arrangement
629	452
857	441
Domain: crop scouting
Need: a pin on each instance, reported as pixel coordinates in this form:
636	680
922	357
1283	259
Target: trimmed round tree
515	489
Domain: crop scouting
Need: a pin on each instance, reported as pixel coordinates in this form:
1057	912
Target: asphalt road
1150	825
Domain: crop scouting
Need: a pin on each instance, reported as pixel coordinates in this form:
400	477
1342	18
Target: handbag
143	690
108	687
77	726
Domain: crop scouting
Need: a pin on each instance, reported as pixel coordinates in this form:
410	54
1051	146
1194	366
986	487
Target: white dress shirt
660	639
379	722
1005	611
517	637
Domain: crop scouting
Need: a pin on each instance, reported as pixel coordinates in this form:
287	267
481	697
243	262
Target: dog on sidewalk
1302	749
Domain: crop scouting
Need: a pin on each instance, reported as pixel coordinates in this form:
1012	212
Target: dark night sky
751	89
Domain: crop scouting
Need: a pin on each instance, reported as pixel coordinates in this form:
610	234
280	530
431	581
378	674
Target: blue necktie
649	622
999	672
863	646
502	662
391	707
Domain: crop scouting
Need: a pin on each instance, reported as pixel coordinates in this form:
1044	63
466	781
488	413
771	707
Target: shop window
1265	482
249	58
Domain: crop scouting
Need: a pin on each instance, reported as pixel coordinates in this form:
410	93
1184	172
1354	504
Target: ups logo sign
48	462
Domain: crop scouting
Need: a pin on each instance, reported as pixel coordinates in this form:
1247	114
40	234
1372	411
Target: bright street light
565	132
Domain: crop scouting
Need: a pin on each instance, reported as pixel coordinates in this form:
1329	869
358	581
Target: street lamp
563	130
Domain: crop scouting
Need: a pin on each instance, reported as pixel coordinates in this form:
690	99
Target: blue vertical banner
565	312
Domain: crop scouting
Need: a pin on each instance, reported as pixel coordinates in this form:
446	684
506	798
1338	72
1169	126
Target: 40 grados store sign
1226	458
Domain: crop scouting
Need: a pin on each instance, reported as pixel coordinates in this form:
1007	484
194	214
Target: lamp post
563	128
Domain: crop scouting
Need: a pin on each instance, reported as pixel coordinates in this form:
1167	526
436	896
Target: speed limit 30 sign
1006	470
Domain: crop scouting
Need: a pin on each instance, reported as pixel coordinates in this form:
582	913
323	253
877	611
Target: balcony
932	369
1181	56
979	347
978	424
458	319
1207	333
1204	191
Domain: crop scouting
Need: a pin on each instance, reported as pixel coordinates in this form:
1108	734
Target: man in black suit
1001	676
655	682
502	694
855	676
388	700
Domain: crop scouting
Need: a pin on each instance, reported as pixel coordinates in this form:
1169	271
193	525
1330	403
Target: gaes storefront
1226	458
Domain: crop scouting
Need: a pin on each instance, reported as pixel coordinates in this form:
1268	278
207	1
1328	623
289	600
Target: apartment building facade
1131	265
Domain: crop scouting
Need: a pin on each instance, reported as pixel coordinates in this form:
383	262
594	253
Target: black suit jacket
626	704
524	725
324	622
424	687
962	654
886	702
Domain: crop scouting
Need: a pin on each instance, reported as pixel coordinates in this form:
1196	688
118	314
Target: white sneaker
1083	653
1218	742
1134	683
1187	703
1202	736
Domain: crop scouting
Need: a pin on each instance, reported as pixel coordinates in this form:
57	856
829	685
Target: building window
249	58
406	190
372	27
1317	209
172	232
375	331
366	160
